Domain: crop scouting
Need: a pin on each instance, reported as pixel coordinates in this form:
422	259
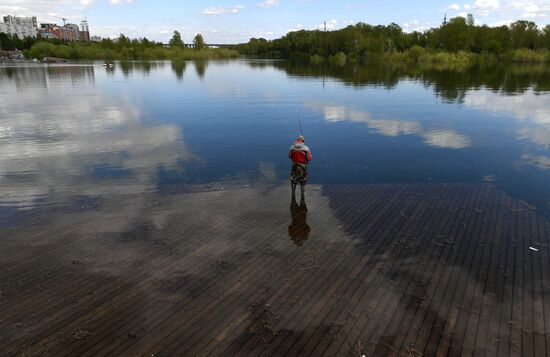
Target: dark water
72	134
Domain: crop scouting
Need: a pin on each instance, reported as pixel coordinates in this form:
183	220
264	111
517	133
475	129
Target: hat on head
301	137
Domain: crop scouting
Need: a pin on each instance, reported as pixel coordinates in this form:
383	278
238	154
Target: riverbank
440	59
133	51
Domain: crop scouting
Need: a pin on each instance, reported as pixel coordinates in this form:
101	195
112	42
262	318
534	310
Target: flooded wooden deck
376	270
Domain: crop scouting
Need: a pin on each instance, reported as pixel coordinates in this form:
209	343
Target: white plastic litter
534	249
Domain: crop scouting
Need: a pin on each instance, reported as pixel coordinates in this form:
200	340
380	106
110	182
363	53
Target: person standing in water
300	155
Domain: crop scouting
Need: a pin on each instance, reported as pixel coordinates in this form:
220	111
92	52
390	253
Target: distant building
19	26
69	32
46	35
47	31
72	32
95	38
51	31
84	31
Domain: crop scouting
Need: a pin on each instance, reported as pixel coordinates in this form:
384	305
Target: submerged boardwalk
375	270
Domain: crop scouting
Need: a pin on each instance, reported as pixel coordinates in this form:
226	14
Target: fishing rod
300	122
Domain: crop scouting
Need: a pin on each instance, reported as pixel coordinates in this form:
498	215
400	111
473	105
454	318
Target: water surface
146	210
73	132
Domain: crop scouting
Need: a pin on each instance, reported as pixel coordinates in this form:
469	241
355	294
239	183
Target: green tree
546	36
176	40
198	41
17	42
524	34
6	42
455	35
123	41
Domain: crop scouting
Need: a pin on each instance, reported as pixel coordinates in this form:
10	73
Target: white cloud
298	27
331	25
221	10
87	3
415	25
529	9
120	2
487	4
269	3
454	7
467	7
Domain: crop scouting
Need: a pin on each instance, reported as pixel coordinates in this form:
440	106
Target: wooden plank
508	288
544	239
474	254
479	275
537	287
165	313
376	224
404	338
418	207
446	289
493	300
517	297
139	278
390	343
435	288
527	338
358	298
488	275
357	334
351	330
176	332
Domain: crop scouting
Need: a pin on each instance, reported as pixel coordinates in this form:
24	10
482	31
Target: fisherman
300	155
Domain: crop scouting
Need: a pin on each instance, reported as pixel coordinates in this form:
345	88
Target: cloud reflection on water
55	145
529	108
441	138
542	162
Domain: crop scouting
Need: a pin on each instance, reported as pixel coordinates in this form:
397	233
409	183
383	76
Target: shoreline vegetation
456	44
122	48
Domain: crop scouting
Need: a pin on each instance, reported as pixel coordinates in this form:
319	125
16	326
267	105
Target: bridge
209	45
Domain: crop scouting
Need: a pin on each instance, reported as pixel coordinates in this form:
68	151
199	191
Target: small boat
108	65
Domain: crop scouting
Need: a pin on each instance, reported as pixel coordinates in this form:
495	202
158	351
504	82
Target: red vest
299	153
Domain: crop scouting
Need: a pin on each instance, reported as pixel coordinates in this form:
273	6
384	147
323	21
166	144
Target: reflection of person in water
298	229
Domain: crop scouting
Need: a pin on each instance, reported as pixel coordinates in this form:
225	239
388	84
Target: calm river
77	132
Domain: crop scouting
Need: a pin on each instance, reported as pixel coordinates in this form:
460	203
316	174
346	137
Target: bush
316	59
41	50
108	51
525	55
415	53
338	59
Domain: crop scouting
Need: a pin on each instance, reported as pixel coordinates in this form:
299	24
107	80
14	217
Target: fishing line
300	122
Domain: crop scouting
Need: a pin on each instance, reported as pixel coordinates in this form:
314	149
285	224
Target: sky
236	21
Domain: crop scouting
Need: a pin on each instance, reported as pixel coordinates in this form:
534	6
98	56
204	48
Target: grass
92	51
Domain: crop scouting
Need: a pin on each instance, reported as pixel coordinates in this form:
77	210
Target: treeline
360	41
10	43
122	48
